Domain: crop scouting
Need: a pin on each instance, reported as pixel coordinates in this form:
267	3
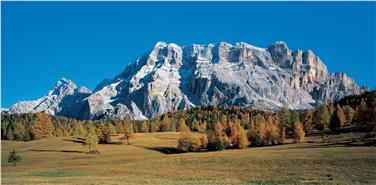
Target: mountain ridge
170	77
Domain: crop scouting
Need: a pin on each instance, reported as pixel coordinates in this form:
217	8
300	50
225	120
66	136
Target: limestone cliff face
170	77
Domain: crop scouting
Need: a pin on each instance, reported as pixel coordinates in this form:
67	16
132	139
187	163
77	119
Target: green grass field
63	161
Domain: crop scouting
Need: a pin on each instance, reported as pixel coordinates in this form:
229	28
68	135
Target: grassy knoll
63	161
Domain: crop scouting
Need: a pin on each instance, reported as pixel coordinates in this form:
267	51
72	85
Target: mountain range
170	77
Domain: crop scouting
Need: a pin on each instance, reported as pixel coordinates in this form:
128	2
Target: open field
63	161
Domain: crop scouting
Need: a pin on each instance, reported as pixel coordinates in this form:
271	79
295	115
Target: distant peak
160	44
62	84
279	42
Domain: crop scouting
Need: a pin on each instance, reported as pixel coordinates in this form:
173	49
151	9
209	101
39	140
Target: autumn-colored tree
349	114
256	134
181	124
338	118
238	137
298	132
104	134
166	124
321	117
111	129
272	132
79	129
308	119
282	135
202	127
19	132
42	127
204	141
185	141
154	125
144	127
91	137
194	125
128	133
215	138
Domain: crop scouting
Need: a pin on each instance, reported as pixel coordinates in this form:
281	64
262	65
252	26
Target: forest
222	127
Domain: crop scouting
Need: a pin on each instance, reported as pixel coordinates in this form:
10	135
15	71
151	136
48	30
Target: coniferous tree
145	127
238	138
166	124
308	119
91	137
272	132
361	112
215	138
338	118
349	114
185	141
286	117
103	133
298	132
282	135
322	117
19	132
42	127
257	133
128	133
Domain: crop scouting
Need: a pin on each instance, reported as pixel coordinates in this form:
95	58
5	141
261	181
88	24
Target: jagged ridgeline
170	77
355	111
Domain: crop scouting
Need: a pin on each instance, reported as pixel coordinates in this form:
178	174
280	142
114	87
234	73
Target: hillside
61	160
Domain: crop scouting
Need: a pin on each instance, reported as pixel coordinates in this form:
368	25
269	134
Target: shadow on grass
174	150
165	150
76	140
64	151
82	141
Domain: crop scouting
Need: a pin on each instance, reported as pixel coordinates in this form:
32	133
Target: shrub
14	158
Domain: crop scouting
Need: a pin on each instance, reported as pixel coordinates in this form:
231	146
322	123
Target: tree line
222	127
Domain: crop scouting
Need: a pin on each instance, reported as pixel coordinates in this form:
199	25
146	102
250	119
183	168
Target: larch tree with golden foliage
128	133
144	127
282	135
42	127
104	134
181	124
238	138
272	132
185	141
298	132
166	123
91	137
215	137
308	119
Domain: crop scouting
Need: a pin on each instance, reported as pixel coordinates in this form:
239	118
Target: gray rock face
62	99
170	77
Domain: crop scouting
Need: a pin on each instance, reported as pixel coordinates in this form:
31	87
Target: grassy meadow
148	160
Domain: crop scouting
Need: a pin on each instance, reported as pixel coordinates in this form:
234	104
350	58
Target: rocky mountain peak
170	77
63	87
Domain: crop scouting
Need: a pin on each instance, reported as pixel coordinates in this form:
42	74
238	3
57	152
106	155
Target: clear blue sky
89	41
